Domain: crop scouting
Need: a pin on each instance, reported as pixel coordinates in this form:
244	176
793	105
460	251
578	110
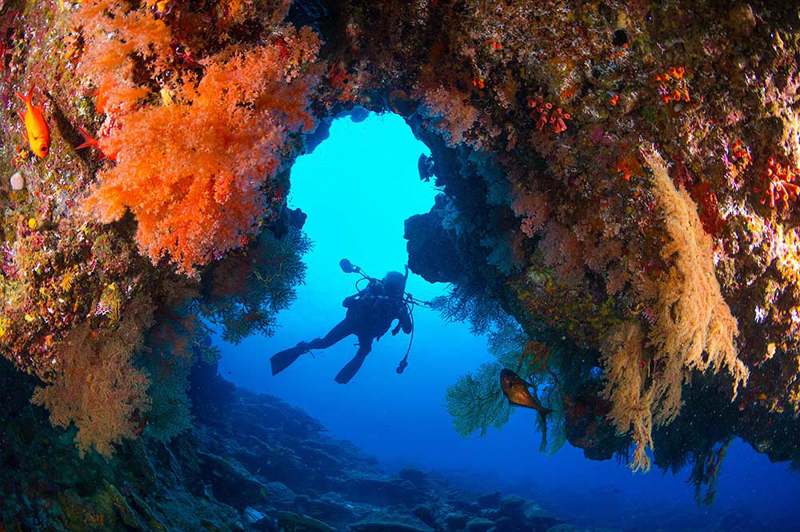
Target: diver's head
394	283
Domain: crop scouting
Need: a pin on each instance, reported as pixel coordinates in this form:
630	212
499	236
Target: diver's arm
348	301
404	322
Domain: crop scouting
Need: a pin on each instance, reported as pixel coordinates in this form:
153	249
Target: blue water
357	188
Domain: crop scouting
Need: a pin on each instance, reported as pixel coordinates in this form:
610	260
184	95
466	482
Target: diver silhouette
370	314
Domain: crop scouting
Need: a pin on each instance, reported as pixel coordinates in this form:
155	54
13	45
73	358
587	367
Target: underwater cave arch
586	193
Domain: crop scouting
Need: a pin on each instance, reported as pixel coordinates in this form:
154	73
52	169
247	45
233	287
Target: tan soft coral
692	327
631	399
97	387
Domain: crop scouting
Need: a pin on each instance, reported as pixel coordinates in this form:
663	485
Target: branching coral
705	473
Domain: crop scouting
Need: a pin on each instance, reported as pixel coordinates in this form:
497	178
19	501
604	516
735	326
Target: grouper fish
517	391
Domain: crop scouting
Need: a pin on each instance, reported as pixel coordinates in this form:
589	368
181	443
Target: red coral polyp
780	187
544	114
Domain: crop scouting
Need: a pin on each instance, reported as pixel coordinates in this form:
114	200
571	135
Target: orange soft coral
191	172
113	33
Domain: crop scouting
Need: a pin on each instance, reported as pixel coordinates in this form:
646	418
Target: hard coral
672	86
544	114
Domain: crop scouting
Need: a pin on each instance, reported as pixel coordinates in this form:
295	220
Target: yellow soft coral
692	328
632	401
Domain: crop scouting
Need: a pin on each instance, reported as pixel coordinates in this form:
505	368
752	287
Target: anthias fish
517	391
90	141
36	130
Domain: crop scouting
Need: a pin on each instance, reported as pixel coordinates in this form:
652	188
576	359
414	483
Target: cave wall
616	176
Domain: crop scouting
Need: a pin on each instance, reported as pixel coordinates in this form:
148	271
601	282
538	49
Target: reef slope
250	463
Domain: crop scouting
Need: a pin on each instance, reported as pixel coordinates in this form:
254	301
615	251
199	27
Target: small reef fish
36	131
517	391
90	141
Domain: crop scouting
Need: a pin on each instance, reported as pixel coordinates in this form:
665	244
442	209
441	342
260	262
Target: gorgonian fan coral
244	293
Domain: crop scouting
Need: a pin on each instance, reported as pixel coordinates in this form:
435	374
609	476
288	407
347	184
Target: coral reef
618	178
250	463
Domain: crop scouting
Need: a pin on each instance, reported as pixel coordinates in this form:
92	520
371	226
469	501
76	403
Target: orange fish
36	131
518	393
93	142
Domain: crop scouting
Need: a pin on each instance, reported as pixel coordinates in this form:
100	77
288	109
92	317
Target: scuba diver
370	314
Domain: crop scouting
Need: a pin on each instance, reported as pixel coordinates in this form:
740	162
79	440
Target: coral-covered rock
197	481
480	524
386	521
619	181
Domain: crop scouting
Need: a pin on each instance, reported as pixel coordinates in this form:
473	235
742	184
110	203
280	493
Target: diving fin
282	360
349	370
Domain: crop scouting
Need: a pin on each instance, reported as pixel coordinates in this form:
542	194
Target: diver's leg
352	367
284	359
340	331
